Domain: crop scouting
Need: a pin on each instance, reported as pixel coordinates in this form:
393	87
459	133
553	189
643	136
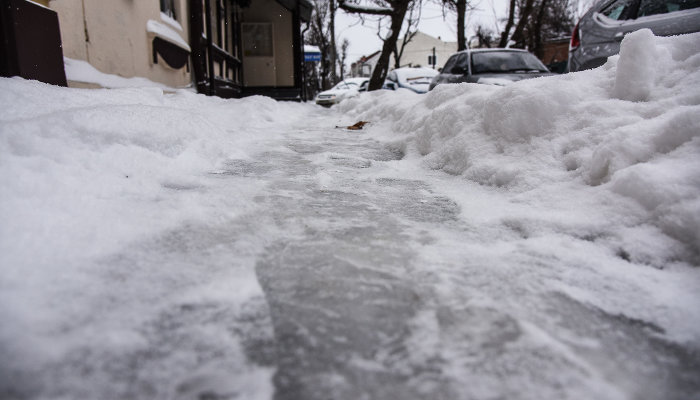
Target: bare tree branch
355	8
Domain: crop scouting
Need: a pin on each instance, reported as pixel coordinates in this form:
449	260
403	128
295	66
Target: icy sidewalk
530	242
376	290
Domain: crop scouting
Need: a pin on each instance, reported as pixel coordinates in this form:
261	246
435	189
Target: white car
415	79
344	89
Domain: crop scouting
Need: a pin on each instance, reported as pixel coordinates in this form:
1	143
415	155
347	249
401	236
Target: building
228	48
555	54
364	66
416	52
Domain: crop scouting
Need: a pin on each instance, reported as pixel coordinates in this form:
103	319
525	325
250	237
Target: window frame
169	8
627	14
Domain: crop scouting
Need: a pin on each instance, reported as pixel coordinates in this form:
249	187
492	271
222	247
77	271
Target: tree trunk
382	67
397	57
518	32
461	17
509	25
334	50
537	47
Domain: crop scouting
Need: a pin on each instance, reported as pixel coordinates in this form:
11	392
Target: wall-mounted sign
311	57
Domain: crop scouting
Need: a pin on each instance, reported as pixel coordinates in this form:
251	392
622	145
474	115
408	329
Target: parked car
415	79
344	89
491	67
599	32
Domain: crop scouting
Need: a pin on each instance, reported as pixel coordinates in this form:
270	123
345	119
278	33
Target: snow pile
165	32
113	224
627	130
82	71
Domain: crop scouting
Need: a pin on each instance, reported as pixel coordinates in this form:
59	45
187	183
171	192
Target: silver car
600	31
490	66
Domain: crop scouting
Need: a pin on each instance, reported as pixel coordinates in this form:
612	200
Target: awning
305	7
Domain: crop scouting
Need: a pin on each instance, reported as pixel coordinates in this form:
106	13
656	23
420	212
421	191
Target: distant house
555	54
364	66
227	48
416	52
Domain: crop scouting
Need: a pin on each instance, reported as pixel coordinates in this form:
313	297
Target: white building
421	46
364	66
415	54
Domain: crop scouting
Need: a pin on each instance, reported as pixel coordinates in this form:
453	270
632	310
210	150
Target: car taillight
575	39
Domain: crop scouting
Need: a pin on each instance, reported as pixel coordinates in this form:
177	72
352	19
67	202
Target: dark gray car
490	66
598	34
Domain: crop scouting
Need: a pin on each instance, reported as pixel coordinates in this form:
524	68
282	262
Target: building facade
416	52
228	48
364	66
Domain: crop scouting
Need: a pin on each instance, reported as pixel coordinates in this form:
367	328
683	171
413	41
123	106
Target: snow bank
630	128
89	156
111	224
82	71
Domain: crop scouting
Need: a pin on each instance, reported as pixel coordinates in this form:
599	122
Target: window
619	10
257	39
655	7
449	64
463	63
167	7
505	61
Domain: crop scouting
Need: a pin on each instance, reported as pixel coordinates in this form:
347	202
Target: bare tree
412	21
333	7
485	37
395	11
343	57
460	7
538	20
320	35
509	25
525	11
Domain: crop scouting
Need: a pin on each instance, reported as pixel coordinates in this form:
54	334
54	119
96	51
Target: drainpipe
210	49
303	64
87	35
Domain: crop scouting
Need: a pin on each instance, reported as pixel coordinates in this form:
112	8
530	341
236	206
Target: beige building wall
112	36
421	46
283	40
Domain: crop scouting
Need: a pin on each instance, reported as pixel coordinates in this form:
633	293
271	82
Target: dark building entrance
248	47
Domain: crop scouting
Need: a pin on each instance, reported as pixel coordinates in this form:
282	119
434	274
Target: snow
539	240
638	60
311	49
96	183
82	71
630	128
171	21
166	32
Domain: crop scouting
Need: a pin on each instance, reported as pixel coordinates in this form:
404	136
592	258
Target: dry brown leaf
357	126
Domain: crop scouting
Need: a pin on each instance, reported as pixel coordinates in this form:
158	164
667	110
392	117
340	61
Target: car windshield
505	61
346	85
